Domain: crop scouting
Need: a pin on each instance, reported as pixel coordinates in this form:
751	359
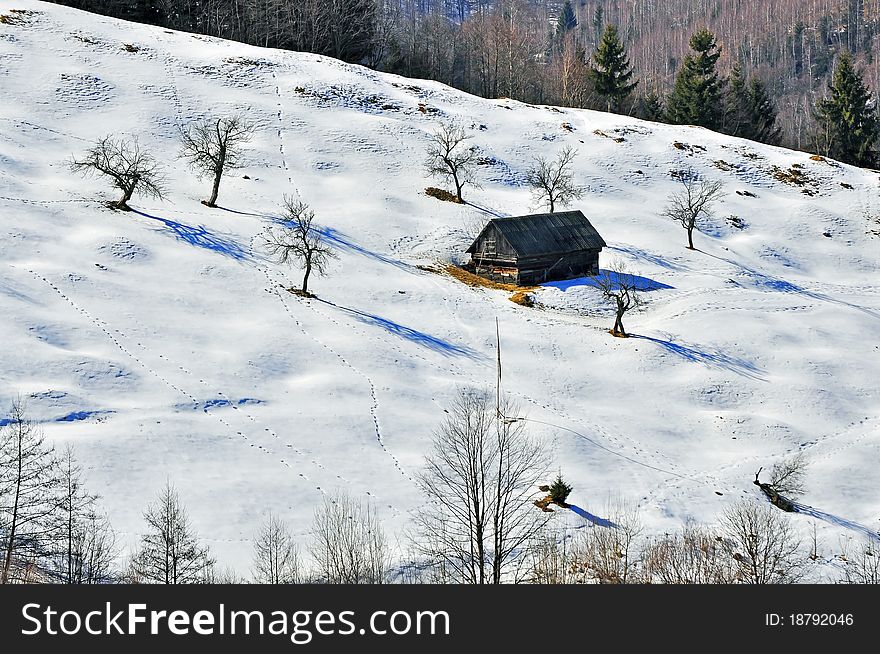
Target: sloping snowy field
160	342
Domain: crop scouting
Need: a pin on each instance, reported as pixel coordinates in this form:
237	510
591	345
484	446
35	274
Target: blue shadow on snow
412	335
716	359
836	520
202	237
589	517
644	255
642	283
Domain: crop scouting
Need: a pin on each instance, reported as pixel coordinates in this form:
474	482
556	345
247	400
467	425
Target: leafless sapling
552	181
214	146
276	557
84	549
131	169
763	544
479	483
620	288
693	202
299	241
170	551
450	157
348	543
29	488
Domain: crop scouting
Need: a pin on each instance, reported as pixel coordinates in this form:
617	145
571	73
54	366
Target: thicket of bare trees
348	543
478	482
500	48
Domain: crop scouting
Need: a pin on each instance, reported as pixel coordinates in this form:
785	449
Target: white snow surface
161	344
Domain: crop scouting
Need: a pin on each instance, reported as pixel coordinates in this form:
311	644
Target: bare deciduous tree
28	493
212	147
170	552
621	288
552	181
451	159
479	481
84	542
348	543
693	203
786	481
763	544
297	240
695	555
276	557
131	169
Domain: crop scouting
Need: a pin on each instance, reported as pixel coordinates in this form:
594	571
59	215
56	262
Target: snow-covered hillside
161	344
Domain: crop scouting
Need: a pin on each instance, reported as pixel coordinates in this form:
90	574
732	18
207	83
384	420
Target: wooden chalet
527	250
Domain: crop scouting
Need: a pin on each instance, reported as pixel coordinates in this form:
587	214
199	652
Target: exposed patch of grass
523	299
723	165
18	17
616	139
128	47
568	127
794	175
441	194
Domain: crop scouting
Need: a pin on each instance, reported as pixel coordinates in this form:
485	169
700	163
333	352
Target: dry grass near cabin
521	295
441	194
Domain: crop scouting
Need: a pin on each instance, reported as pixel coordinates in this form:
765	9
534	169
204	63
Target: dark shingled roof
547	233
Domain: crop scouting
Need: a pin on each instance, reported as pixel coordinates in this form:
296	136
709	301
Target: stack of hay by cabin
539	248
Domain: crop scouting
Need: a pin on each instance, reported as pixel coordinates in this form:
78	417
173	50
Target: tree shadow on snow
589	517
201	237
642	283
836	520
644	255
714	359
412	335
767	282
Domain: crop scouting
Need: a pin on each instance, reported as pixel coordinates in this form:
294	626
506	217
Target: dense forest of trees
777	55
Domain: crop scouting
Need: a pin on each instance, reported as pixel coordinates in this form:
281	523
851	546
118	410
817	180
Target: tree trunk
306	278
552	203
122	203
690	230
4	578
215	191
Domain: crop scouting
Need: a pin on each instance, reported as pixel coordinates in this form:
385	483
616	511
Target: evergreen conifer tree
847	118
567	20
611	72
762	114
696	98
